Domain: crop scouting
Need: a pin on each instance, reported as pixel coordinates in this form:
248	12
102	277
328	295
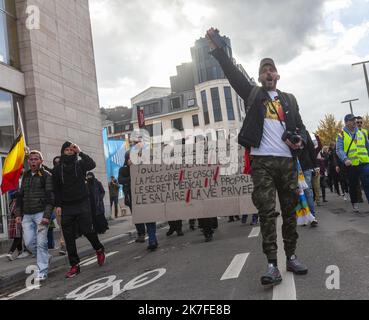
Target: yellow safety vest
358	153
365	131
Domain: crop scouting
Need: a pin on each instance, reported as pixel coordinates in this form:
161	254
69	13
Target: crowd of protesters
283	158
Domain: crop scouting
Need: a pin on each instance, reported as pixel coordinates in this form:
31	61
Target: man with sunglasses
359	122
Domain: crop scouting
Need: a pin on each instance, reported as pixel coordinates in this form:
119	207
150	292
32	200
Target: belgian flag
13	165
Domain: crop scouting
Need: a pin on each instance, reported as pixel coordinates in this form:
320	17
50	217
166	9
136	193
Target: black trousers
175	225
208	225
73	216
114	200
16	245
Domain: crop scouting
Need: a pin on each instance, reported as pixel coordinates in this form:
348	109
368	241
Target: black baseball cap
267	61
349	117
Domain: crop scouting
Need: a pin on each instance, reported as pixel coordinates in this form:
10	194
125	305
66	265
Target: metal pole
350	102
366	78
365	73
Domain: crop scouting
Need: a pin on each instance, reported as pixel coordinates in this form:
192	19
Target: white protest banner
180	192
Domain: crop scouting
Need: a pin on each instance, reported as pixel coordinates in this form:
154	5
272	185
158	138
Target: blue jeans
309	194
35	240
151	231
255	218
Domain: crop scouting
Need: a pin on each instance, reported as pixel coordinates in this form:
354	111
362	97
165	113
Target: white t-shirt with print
271	143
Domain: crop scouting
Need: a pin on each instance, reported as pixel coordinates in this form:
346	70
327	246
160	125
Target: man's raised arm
236	78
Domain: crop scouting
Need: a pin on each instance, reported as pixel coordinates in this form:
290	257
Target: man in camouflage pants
269	175
274	133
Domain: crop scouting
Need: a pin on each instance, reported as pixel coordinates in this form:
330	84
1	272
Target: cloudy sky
139	43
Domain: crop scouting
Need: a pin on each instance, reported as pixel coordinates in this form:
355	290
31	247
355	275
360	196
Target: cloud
139	43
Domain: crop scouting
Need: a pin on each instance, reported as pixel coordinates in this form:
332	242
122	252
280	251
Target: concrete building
47	64
200	97
118	122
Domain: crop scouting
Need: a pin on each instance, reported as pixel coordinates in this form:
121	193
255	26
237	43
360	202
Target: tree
329	128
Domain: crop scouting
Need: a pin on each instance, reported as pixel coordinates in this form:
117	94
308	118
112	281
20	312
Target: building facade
49	68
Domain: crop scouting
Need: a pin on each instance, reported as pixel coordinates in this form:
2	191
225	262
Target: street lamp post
365	73
350	102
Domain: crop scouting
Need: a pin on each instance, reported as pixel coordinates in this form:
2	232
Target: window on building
220	135
229	103
195	120
110	131
8	34
191	103
175	103
239	108
128	127
152	109
205	107
218	117
177	124
8	114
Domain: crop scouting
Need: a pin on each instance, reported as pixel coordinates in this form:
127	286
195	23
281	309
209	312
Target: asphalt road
229	268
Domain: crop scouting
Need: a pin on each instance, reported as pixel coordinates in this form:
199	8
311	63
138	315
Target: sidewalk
13	273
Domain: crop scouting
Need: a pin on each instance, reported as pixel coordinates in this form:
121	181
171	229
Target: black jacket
96	194
308	158
70	180
36	194
253	128
125	178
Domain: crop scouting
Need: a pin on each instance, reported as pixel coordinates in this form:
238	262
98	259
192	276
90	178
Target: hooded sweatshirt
70	179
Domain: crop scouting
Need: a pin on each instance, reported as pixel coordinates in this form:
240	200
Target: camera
292	136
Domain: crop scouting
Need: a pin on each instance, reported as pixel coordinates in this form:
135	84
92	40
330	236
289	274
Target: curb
19	275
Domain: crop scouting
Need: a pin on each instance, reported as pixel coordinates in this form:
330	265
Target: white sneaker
345	198
13	256
355	206
24	255
41	278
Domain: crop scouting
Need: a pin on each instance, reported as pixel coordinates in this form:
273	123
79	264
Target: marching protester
114	195
35	203
175	226
62	249
333	179
96	194
274	131
352	150
125	180
310	167
316	176
73	204
14	229
359	122
323	164
208	225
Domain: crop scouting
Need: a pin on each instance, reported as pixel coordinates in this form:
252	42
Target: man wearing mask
72	202
114	194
